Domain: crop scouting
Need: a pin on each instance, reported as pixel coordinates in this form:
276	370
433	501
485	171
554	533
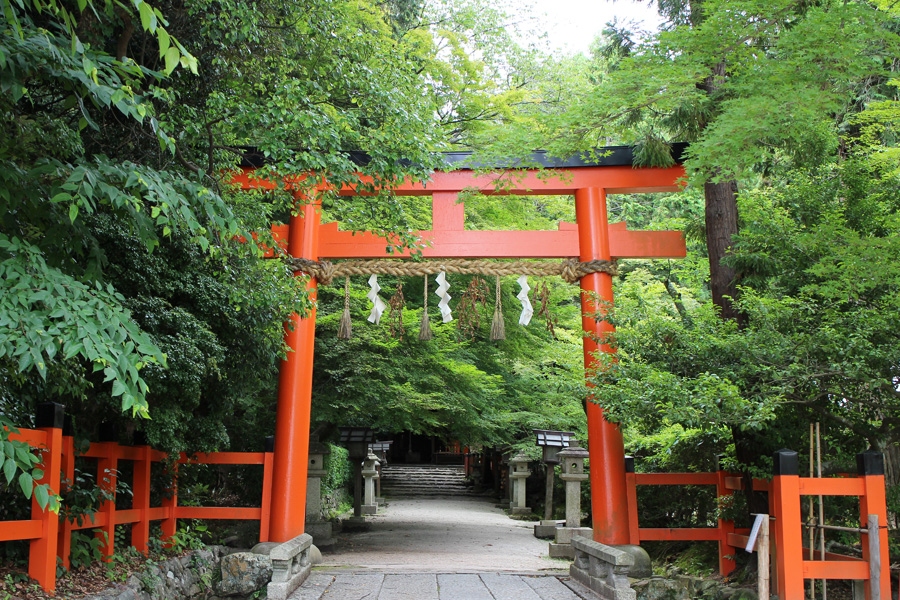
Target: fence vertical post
762	553
726	551
42	551
870	466
170	523
266	505
140	531
64	538
634	533
107	478
788	533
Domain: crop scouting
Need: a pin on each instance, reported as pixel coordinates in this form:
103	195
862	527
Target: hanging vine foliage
395	316
468	312
541	299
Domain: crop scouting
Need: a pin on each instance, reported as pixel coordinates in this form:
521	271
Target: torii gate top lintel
448	238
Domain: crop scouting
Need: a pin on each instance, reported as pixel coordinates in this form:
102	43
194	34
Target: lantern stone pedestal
319	529
551	444
519	473
546	529
369	473
572	461
357	440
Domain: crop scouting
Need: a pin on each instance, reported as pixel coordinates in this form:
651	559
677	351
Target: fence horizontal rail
832	569
676	479
838	486
21	530
697	534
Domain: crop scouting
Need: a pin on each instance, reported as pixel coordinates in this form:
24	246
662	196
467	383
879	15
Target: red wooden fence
725	484
50	536
785	491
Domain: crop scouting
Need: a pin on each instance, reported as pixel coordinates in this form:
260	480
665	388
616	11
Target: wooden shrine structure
592	237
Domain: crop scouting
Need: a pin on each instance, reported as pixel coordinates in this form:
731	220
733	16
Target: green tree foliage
123	283
468	389
753	86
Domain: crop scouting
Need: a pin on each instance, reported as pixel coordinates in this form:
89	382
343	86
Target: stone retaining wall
214	573
610	573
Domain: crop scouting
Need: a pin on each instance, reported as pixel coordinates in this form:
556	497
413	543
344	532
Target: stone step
447	480
424	480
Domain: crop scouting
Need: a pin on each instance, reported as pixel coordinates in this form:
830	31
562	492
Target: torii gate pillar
288	516
609	501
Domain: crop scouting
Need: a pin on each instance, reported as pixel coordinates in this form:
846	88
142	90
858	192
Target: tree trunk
892	476
721	225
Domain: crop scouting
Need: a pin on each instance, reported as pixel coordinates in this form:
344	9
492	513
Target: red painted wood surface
561	182
21	530
609	493
288	508
457	243
677	478
827	569
42	550
832	486
873	502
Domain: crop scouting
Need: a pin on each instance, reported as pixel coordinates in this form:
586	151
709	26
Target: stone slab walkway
338	585
444	534
444	548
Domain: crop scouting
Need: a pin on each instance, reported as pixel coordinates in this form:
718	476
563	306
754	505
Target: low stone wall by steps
220	573
197	576
609	571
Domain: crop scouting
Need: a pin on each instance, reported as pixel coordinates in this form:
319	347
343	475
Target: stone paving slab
408	586
503	587
553	587
314	586
353	585
454	586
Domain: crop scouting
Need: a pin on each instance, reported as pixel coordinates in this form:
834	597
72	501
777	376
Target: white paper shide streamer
378	304
441	292
527	310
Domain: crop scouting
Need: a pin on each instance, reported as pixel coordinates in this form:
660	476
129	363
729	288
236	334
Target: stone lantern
357	440
518	472
572	461
370	473
550	442
381	449
315	471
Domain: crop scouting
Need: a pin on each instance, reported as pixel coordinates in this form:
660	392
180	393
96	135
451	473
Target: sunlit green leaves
44	312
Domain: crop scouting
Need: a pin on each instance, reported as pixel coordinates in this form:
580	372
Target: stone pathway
450	548
444	534
337	585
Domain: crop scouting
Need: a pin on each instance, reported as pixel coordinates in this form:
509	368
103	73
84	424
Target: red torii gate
591	238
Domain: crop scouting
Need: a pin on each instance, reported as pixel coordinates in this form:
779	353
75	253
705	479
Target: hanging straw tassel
425	325
498	326
344	329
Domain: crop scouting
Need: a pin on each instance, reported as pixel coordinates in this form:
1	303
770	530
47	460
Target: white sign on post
751	541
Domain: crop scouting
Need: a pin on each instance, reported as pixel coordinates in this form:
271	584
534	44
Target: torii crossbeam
591	238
